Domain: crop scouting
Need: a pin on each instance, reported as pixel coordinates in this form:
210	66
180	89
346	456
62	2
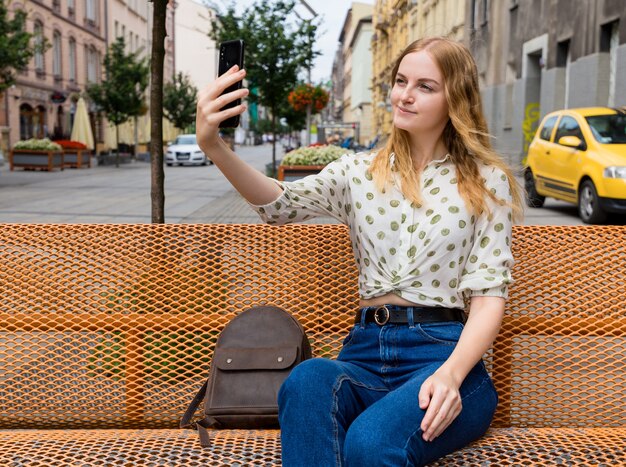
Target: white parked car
184	150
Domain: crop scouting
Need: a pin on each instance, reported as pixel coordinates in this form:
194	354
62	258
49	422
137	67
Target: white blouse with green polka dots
433	255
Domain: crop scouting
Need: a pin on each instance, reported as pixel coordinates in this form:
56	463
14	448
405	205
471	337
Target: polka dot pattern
434	254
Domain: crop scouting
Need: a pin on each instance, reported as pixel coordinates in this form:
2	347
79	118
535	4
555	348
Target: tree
296	119
16	48
121	95
277	49
157	193
179	101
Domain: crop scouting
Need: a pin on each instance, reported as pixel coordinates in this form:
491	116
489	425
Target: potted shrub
36	154
308	160
75	153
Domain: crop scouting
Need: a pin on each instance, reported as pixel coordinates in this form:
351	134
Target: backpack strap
185	422
201	425
205	439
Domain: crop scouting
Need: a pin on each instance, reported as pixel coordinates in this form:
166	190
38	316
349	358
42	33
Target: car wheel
589	208
169	165
533	199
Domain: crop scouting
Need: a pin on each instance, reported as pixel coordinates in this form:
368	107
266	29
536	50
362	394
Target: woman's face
417	97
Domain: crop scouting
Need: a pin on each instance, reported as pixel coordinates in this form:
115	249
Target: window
39	61
608	129
117	29
564	60
72	60
546	130
56	58
568	126
91	10
92	64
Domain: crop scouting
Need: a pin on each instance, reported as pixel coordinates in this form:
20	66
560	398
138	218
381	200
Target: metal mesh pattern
500	447
113	326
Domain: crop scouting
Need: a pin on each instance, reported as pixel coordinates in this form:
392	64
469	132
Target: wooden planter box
297	171
76	158
31	159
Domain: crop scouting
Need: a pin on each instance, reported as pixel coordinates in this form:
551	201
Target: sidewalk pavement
192	195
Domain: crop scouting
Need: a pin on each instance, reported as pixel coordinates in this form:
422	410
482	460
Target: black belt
395	314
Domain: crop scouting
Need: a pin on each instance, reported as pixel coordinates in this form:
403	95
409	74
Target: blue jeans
362	409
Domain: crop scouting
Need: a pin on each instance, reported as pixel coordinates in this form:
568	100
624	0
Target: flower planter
33	159
76	158
291	172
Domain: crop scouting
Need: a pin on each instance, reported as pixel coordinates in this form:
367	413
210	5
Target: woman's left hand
440	397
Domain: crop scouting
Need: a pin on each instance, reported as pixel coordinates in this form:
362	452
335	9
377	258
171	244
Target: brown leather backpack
253	355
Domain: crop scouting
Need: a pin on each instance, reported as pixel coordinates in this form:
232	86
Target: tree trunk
274	169
117	146
136	137
156	112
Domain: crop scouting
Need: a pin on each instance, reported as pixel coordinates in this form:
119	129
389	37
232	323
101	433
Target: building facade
129	19
353	103
43	100
192	26
538	56
397	23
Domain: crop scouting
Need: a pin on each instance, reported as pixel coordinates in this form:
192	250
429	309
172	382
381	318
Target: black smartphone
231	54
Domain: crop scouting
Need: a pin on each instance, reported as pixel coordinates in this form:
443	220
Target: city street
192	195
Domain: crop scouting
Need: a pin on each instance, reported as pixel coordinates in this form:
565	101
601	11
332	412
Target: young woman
430	218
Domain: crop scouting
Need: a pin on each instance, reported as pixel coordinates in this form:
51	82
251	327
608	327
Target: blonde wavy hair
466	134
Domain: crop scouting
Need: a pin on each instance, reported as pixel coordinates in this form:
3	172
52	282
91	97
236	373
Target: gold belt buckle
381	315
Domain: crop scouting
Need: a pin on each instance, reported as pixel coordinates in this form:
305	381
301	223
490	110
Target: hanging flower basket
306	94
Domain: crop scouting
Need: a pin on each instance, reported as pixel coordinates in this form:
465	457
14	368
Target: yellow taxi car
579	156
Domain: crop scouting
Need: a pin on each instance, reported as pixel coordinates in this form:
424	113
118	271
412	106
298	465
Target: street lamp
308	107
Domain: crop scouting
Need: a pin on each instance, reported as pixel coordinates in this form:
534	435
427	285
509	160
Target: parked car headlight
615	172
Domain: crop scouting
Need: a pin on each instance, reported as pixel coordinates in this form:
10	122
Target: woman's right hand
210	101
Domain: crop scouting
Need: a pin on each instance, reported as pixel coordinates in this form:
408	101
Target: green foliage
38	145
121	95
296	120
276	48
179	101
315	155
164	353
264	126
16	45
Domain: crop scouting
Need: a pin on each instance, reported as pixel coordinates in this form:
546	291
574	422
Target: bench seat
500	447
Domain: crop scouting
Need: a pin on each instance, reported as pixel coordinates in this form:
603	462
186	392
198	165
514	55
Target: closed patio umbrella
81	131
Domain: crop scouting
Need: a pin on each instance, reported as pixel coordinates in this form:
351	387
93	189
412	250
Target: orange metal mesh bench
105	332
